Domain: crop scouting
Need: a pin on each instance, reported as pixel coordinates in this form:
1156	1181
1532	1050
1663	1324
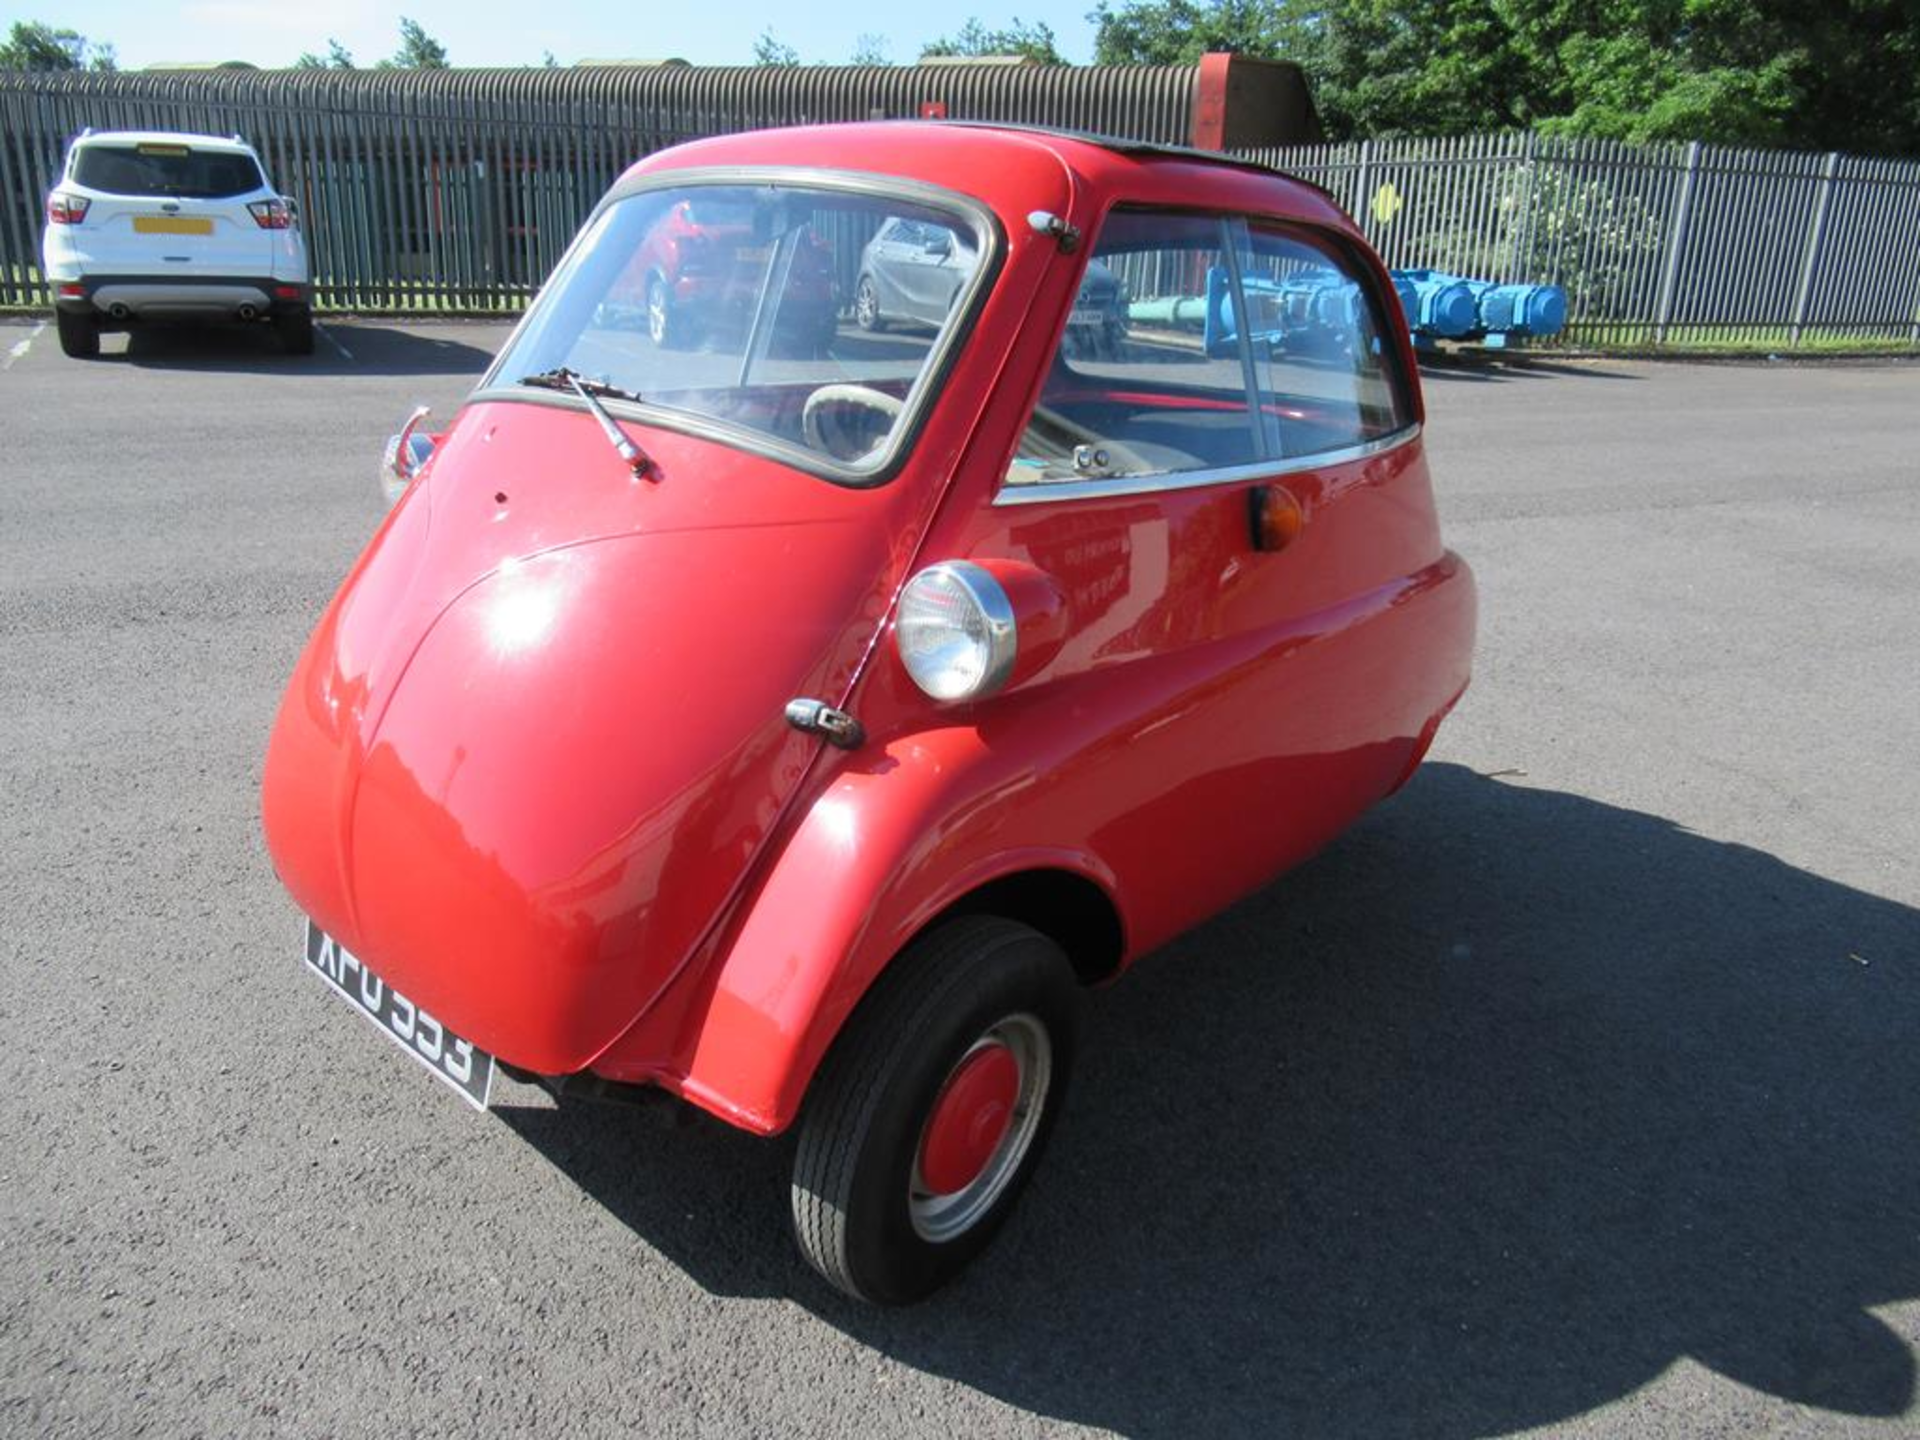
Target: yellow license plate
170	225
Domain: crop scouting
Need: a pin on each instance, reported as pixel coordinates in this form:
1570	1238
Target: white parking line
21	348
328	334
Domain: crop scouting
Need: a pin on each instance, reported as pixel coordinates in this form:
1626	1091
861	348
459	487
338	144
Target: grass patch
1733	340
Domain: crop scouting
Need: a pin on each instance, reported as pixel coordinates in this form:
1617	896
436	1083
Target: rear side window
1200	343
177	171
1326	367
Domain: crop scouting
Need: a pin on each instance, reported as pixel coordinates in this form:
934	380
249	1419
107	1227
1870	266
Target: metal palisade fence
1665	244
458	189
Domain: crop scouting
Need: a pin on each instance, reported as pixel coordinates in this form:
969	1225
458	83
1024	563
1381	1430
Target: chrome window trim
920	398
1043	492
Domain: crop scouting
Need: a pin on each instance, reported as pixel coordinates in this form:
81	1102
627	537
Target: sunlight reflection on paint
523	610
840	820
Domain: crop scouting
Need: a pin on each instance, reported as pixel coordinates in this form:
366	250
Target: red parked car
687	278
801	735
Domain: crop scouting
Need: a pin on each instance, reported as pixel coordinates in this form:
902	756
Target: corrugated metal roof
1148	102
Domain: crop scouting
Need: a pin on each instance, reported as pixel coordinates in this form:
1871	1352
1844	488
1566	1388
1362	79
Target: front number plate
458	1062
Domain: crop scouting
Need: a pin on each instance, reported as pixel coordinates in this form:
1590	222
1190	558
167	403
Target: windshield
173	170
794	316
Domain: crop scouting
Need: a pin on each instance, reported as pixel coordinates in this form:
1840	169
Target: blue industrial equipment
1437	304
1312	307
1304	308
1522	309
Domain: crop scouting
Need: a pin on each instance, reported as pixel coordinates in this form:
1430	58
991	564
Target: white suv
150	225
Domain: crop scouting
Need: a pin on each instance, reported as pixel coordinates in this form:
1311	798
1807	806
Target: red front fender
886	846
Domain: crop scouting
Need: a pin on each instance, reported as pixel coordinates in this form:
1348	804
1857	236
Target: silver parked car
911	271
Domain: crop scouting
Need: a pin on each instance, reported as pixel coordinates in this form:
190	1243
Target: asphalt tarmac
1576	1091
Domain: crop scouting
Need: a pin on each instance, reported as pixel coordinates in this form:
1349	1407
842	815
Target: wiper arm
561	378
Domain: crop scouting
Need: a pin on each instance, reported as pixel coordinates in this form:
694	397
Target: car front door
1246	654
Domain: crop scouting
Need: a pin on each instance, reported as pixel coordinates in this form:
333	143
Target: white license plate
458	1062
1084	316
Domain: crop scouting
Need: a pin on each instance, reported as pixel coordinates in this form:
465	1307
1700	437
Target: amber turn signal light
1276	515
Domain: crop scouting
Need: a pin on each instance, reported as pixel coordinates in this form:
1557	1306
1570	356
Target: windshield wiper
561	378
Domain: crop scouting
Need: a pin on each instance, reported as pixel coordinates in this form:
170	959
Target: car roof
231	143
1123	145
952	154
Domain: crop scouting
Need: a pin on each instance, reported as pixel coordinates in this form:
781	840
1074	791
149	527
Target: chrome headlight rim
990	602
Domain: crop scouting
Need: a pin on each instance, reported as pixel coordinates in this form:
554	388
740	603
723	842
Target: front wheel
866	307
929	1114
79	335
666	323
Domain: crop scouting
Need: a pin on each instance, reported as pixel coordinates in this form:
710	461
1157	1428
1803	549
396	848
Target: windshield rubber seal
919	400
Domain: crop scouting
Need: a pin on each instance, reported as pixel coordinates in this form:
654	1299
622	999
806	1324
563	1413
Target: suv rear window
175	170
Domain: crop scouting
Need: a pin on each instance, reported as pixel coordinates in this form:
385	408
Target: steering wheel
830	424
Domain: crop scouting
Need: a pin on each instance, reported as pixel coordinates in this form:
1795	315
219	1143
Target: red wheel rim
970	1119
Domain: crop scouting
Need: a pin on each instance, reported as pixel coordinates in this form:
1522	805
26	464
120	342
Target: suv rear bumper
126	299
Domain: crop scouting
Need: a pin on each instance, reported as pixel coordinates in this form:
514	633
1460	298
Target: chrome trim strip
1046	491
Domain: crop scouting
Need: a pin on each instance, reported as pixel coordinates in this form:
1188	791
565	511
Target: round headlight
956	632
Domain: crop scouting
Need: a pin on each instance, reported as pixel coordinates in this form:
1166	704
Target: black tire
866	307
666	323
295	331
79	335
856	1213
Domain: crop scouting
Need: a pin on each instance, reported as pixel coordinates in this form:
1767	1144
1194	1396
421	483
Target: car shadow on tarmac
1483	1119
359	349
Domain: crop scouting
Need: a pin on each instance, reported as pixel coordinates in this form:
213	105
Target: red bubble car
800	734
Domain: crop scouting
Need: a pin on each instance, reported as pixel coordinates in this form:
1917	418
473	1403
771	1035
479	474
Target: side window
1156	374
1328	374
1135	387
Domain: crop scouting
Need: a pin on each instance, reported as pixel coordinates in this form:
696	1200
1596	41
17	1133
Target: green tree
870	50
32	46
1762	72
338	57
1033	42
769	51
418	50
1179	32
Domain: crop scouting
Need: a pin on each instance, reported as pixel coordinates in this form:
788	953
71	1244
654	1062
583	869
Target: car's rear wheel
866	307
79	335
295	331
929	1114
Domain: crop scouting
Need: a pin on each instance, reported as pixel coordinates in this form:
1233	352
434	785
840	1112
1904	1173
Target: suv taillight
64	209
272	214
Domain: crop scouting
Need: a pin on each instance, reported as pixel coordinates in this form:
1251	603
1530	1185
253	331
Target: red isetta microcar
797	723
